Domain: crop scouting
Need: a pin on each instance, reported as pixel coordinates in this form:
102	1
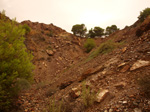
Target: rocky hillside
114	77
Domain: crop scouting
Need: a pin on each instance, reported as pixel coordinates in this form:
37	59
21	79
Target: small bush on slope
89	45
56	107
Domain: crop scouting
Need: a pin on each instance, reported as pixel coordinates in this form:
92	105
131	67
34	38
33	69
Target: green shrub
27	28
106	47
143	14
15	62
89	45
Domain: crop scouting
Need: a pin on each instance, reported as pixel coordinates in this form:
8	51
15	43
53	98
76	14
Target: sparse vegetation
104	48
56	106
89	45
143	14
15	62
87	95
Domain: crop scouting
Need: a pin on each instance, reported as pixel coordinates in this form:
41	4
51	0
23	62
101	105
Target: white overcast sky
66	13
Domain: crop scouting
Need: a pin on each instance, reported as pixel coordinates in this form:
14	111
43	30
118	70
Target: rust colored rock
85	74
124	49
90	71
125	68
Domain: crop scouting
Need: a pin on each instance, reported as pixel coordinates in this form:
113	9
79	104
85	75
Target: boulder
139	64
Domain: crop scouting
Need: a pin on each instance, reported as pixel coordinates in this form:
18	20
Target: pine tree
15	61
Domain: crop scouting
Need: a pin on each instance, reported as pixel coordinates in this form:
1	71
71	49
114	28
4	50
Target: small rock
75	93
50	52
54	50
124	102
149	102
124	49
57	63
122	64
104	72
26	110
110	110
56	47
120	85
102	95
105	111
139	64
60	58
137	110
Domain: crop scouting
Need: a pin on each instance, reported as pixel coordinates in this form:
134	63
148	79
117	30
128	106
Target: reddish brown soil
56	74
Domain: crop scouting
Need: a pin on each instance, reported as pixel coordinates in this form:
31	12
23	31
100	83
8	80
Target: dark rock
65	84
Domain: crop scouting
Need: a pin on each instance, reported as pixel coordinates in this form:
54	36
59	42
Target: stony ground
62	69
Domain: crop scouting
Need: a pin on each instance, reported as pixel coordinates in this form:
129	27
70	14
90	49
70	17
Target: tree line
81	30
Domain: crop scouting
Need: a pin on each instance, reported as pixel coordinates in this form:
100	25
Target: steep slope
62	69
54	52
